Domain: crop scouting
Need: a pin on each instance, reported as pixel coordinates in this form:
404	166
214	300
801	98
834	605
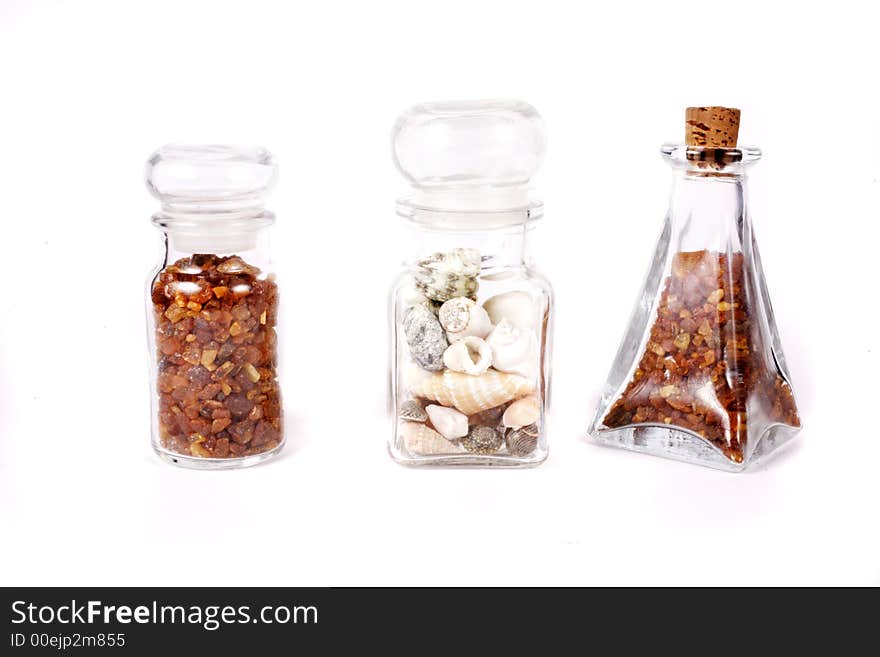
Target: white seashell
472	394
461	317
511	344
424	441
470	355
411	375
518	308
522	412
411	296
449	423
514	350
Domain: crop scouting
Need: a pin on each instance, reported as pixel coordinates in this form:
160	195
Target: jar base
470	460
687	447
199	463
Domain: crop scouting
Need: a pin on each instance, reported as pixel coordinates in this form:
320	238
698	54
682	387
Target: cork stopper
711	127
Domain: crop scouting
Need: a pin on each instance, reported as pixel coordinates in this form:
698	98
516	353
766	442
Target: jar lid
210	176
469	156
212	195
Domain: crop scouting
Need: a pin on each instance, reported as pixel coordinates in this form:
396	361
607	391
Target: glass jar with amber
700	375
212	308
470	316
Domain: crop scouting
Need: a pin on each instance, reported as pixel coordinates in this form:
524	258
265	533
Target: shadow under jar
470	318
213	309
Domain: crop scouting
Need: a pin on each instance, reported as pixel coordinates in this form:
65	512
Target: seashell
470	355
412	375
471	394
522	412
523	441
461	317
482	440
421	440
412	411
491	417
444	276
514	350
425	337
518	308
410	295
449	423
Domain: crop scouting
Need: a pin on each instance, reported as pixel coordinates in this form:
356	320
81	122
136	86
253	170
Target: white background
89	89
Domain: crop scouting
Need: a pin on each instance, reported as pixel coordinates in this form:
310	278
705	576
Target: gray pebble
425	337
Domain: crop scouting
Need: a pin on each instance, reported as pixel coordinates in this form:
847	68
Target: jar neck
499	248
212	229
707	209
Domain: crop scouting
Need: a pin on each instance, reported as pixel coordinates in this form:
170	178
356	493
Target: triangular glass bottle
700	375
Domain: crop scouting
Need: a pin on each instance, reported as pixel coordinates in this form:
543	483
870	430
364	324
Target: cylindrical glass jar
212	309
471	319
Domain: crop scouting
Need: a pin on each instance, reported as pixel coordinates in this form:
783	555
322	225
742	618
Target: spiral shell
523	441
462	317
472	394
424	441
514	350
412	411
482	440
444	276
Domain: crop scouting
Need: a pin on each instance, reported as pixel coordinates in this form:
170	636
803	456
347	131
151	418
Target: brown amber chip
704	359
215	348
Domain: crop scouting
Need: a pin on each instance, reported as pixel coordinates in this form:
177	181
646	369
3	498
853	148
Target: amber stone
215	334
703	360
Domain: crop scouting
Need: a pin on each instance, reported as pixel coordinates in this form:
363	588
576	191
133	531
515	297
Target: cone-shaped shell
424	441
472	394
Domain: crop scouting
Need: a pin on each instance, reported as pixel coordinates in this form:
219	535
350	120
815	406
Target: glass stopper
486	147
179	174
